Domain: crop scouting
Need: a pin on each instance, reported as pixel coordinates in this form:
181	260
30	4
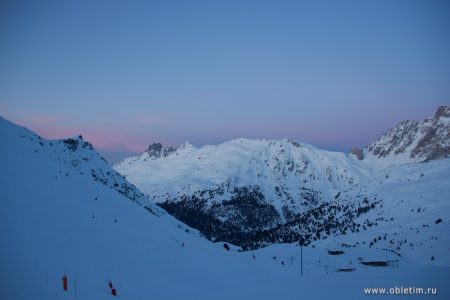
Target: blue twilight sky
124	74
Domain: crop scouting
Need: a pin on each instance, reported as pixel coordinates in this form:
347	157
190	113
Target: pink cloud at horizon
101	137
134	135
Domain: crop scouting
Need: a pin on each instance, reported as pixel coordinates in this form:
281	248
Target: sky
124	74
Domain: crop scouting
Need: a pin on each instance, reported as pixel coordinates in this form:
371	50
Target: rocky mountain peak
157	150
442	111
419	141
434	141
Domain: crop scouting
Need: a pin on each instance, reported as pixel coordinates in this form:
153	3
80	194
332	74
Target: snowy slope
56	218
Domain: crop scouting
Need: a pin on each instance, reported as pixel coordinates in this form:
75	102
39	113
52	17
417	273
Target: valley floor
140	269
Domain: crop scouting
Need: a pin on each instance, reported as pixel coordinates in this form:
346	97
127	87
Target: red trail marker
64	279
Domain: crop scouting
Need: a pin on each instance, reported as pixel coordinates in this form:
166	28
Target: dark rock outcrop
156	150
358	153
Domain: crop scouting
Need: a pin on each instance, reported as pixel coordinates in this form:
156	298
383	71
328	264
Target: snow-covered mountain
258	192
64	211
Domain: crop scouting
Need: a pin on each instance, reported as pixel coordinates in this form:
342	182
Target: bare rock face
434	142
421	141
156	150
396	140
442	111
358	153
